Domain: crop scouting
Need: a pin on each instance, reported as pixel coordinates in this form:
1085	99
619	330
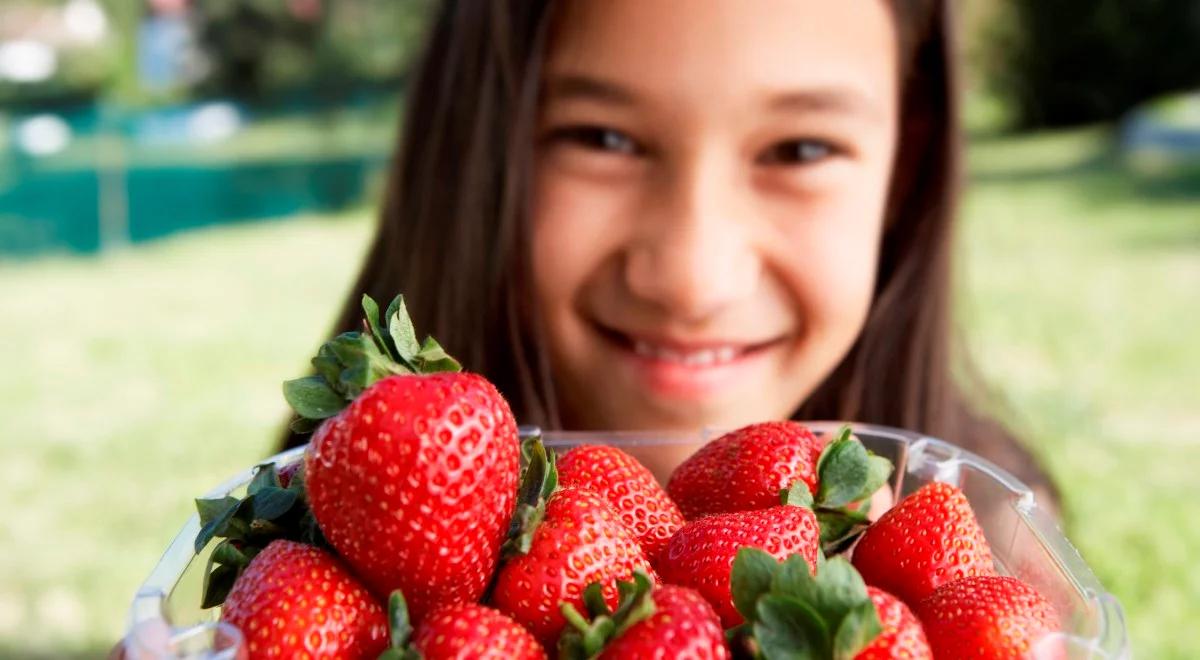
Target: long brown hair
453	232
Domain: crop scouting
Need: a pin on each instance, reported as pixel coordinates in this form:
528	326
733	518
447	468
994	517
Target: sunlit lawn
1084	308
134	381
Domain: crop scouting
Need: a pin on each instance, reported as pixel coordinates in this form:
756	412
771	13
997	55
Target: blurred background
186	189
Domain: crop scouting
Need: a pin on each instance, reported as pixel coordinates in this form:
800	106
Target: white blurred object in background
43	135
27	61
214	122
85	20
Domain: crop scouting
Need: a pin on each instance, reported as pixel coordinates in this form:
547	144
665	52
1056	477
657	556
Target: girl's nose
692	254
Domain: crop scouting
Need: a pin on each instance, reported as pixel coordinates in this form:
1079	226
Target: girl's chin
649	407
686	418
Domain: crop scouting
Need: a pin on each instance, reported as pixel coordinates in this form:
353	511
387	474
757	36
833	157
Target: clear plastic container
165	620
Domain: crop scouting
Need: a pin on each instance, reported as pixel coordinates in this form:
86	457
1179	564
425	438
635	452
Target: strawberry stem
399	626
399	631
587	637
539	481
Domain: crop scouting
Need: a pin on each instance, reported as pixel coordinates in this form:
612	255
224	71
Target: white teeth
705	357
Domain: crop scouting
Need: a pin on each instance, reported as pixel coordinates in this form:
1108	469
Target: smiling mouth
697	355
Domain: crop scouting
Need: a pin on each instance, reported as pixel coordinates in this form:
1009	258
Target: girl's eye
797	152
599	138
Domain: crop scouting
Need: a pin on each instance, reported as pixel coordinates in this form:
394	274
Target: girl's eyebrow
818	100
839	100
567	87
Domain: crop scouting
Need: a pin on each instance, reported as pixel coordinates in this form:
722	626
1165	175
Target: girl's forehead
687	46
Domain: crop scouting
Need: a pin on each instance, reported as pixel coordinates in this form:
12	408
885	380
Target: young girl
672	214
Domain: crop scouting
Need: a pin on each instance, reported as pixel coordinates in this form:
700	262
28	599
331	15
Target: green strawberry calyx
539	480
400	629
848	474
353	361
269	511
588	633
790	613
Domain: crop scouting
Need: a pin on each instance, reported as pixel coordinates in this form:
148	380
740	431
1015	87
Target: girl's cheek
825	247
578	216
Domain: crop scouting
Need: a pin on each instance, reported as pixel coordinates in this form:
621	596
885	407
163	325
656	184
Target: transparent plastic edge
1111	639
148	627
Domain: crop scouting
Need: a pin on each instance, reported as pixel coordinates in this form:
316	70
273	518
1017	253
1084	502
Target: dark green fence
81	202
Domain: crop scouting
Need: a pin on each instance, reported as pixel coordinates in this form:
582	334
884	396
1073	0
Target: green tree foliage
1075	61
252	49
82	70
257	48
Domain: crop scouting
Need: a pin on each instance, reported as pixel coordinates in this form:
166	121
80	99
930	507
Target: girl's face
710	188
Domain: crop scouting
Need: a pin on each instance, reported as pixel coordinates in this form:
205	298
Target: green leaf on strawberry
797	495
217	584
751	578
843	471
268	512
312	397
840	528
374	329
859	627
353	361
787	627
400	327
847	475
847	472
433	358
799	615
837	588
215	515
793	577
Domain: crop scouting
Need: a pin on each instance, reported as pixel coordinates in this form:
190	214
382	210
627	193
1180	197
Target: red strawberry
701	554
414	482
682	626
902	636
295	600
928	539
561	541
474	631
414	485
651	622
988	617
745	469
460	630
579	541
630	488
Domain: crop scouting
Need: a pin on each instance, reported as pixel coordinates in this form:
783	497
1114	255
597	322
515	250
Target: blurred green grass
136	380
133	382
1082	305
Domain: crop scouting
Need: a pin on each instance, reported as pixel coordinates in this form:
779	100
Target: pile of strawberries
420	525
